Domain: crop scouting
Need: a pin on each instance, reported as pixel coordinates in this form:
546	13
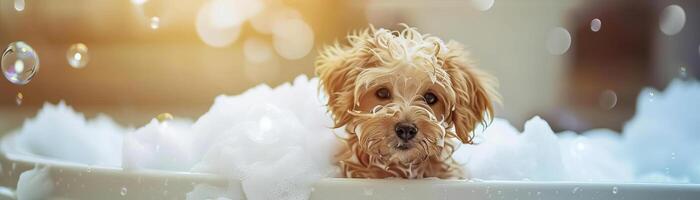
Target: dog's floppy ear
474	92
338	67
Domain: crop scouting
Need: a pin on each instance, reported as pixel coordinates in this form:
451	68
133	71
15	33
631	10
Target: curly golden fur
406	66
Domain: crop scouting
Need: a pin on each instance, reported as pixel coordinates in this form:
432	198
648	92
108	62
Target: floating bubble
482	5
19	5
293	38
19	98
559	41
651	96
77	55
683	73
257	50
164	117
596	24
672	20
614	190
155	23
123	191
607	99
212	35
19	63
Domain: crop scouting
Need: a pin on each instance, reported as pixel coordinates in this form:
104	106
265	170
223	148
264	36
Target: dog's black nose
406	131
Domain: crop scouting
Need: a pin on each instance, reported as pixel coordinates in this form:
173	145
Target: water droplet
672	20
155	23
123	191
614	190
607	99
558	41
77	55
575	190
19	63
482	5
19	98
596	24
164	117
19	5
368	191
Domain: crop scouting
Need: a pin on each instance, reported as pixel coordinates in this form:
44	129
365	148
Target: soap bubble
596	24
155	23
213	35
164	117
19	63
672	20
559	41
123	191
614	190
19	5
607	99
77	55
19	98
293	38
257	50
482	5
683	73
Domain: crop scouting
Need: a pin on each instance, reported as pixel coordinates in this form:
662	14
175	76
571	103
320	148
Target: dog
404	99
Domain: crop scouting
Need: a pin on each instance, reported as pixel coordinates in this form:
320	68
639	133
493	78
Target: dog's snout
405	131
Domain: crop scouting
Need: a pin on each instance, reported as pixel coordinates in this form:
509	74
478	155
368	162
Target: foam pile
657	145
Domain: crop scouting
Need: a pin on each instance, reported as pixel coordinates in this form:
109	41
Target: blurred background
579	64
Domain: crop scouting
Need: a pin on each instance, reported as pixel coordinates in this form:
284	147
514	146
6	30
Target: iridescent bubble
213	35
596	24
19	98
558	41
607	99
19	5
672	20
482	5
257	50
292	38
19	63
155	23
164	117
77	55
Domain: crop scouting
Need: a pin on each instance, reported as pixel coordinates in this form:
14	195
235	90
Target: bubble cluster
19	63
77	55
596	24
558	41
672	20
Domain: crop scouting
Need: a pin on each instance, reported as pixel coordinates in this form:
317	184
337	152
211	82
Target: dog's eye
430	98
383	93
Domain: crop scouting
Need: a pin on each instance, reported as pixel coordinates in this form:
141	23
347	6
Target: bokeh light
264	21
672	20
212	35
257	50
232	13
155	23
292	38
19	98
19	5
558	41
77	55
19	63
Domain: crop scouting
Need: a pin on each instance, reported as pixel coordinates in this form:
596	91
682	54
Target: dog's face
403	94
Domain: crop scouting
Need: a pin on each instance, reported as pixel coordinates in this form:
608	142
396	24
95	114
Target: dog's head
403	94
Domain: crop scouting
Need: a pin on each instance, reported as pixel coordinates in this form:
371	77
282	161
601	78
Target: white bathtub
76	181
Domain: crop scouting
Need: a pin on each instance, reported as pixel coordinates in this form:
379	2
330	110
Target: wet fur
409	64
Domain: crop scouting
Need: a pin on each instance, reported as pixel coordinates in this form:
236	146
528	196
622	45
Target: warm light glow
293	38
213	35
